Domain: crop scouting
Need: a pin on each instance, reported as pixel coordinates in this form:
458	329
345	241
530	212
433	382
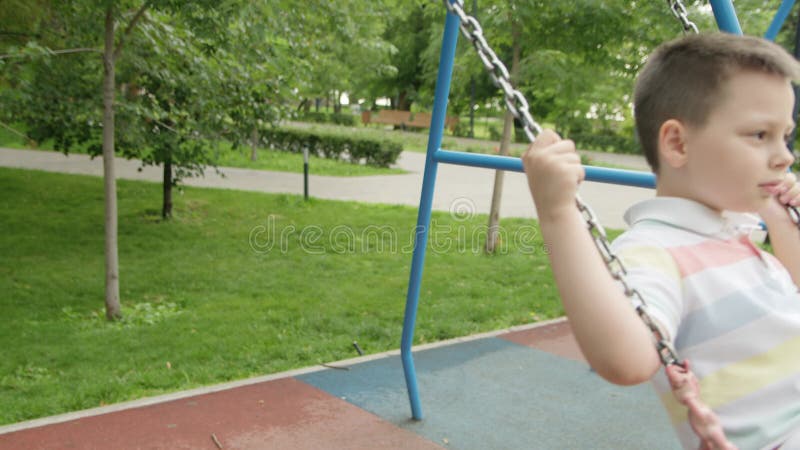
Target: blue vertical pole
441	95
780	18
725	14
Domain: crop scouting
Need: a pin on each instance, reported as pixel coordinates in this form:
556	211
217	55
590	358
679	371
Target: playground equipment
727	21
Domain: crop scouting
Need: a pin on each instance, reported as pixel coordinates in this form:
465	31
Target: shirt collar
692	216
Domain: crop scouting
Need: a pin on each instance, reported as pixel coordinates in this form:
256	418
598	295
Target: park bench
386	117
421	120
404	119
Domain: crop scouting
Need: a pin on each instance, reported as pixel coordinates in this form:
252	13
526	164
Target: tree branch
170	128
129	28
56	52
18	133
19	33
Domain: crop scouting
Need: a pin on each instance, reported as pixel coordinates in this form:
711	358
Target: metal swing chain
515	100
518	106
679	11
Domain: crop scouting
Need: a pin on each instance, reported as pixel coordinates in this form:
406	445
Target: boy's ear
672	143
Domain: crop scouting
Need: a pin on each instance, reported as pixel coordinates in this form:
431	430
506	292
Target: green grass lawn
238	284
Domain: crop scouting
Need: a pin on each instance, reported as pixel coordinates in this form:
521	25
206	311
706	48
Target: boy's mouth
771	186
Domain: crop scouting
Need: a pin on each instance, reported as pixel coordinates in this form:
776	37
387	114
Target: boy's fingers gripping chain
704	422
546	137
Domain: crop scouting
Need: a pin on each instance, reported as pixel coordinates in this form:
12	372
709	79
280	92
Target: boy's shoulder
653	233
647	246
667	233
672	221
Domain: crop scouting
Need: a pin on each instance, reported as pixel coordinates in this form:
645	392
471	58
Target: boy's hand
554	173
704	422
785	194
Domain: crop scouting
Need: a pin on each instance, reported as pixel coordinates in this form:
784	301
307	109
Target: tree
177	98
181	76
218	75
56	96
492	235
345	39
38	99
408	30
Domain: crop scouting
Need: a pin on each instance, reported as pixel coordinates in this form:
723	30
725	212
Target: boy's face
741	152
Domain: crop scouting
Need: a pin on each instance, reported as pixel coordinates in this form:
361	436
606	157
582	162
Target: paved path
464	188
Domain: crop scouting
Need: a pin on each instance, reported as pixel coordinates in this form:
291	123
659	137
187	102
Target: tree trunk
166	210
254	144
337	104
402	101
497	193
113	309
505	144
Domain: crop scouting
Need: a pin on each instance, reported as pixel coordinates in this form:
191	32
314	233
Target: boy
713	113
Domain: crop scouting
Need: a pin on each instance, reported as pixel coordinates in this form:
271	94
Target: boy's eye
760	135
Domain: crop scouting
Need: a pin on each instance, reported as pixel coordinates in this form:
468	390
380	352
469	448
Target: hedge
321	117
606	142
346	148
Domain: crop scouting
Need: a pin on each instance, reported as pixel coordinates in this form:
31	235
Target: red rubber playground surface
525	388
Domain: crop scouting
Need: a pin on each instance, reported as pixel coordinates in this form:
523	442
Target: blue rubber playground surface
526	388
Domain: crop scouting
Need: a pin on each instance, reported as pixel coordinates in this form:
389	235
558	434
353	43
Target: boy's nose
782	157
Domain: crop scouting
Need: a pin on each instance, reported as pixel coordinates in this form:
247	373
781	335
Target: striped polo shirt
730	308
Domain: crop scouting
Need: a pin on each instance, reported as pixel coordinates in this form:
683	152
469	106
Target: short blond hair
684	79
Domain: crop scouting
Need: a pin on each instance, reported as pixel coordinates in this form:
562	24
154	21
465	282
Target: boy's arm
783	232
612	337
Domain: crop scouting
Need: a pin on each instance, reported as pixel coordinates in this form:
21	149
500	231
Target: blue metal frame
725	14
727	21
446	60
511	164
780	18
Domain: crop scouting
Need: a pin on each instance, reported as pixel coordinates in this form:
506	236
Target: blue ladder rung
512	164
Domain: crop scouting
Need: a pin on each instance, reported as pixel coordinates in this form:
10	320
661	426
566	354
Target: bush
316	117
605	141
321	117
347	148
343	119
494	133
461	129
